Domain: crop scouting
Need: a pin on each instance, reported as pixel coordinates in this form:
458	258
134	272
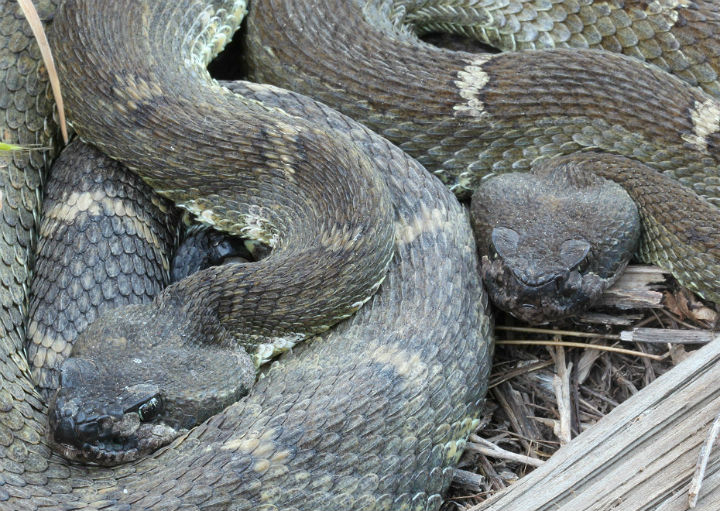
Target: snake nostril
570	283
64	432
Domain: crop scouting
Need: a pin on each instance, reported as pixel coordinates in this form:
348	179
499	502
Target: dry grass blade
549	331
38	31
8	147
586	346
4	146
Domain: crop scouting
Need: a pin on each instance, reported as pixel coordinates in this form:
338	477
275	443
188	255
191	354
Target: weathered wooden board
641	456
634	289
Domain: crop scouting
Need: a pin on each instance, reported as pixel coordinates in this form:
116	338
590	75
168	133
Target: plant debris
546	388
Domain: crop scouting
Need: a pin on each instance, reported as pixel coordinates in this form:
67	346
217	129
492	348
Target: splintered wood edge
665	335
641	456
634	289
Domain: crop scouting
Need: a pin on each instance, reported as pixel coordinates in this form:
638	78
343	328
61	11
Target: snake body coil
465	116
372	415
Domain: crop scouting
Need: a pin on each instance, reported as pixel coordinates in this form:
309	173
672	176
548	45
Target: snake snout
71	424
539	297
76	429
106	438
92	421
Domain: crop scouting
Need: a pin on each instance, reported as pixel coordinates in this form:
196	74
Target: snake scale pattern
464	116
374	413
104	241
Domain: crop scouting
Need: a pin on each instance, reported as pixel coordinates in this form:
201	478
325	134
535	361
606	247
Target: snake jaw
567	293
105	439
111	450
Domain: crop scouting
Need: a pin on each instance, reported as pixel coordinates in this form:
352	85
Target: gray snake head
552	240
139	377
538	288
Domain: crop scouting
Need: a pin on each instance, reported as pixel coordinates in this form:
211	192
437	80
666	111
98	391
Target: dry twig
702	462
487	448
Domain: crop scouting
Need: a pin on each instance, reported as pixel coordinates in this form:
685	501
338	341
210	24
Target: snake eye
574	253
148	410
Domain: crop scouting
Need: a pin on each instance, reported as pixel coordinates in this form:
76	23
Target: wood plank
641	456
665	335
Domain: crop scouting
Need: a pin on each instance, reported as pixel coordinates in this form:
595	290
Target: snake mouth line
117	449
101	453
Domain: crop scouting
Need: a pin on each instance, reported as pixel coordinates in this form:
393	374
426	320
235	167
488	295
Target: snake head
92	421
139	377
552	240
